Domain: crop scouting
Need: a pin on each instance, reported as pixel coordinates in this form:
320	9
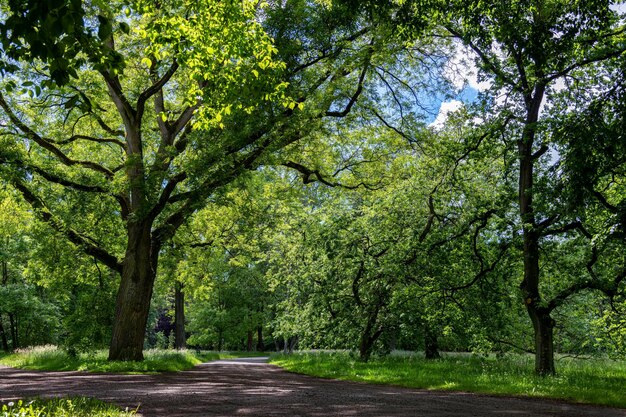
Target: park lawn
66	407
51	358
592	381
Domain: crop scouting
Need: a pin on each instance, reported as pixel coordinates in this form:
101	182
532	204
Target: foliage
594	381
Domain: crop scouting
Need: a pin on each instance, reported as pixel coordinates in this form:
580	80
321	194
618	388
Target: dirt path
251	387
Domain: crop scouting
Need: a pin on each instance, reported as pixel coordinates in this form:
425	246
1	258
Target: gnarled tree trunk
134	295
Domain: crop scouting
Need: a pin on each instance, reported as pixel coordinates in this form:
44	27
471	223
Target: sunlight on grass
51	358
596	381
66	407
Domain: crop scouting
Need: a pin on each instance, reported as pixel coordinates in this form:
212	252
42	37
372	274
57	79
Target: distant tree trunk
260	345
293	341
14	334
431	343
250	344
3	336
180	341
220	340
393	339
285	345
134	295
369	336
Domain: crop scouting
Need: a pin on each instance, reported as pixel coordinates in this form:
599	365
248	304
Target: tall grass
595	381
68	407
51	358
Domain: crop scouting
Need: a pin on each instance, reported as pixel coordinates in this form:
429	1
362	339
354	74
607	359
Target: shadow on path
251	387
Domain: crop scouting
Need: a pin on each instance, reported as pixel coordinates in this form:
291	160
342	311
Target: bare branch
354	97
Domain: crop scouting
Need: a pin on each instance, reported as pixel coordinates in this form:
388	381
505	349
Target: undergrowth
51	358
63	407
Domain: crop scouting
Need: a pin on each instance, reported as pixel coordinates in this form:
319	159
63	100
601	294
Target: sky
463	74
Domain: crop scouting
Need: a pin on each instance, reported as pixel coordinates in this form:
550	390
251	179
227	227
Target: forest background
379	175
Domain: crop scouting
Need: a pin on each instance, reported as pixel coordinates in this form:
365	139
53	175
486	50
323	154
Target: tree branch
354	97
154	88
84	242
49	145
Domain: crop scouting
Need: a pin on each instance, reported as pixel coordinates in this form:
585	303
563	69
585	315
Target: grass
593	381
51	358
63	407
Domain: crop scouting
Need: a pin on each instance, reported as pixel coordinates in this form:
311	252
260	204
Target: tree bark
180	341
134	295
543	325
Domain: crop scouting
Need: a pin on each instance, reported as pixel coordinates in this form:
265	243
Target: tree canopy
276	170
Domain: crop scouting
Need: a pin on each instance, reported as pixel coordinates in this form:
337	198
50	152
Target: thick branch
49	145
308	175
154	88
91	139
577	225
84	242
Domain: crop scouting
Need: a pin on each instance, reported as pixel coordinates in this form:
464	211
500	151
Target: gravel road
251	387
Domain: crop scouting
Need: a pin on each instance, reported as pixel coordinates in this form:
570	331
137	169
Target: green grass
63	407
594	381
51	358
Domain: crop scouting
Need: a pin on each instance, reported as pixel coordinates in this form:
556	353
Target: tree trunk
368	335
293	341
543	325
260	345
180	341
431	343
250	344
14	339
5	279
540	316
134	295
3	336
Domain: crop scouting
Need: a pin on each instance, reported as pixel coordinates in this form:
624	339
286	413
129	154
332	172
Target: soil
251	387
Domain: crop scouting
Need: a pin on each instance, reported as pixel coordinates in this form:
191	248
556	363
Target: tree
526	47
140	127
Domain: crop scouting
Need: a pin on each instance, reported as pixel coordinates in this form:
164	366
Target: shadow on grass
593	381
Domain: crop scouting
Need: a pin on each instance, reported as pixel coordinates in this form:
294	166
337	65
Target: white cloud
445	109
461	70
620	7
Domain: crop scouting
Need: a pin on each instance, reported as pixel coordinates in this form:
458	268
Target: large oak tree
134	113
